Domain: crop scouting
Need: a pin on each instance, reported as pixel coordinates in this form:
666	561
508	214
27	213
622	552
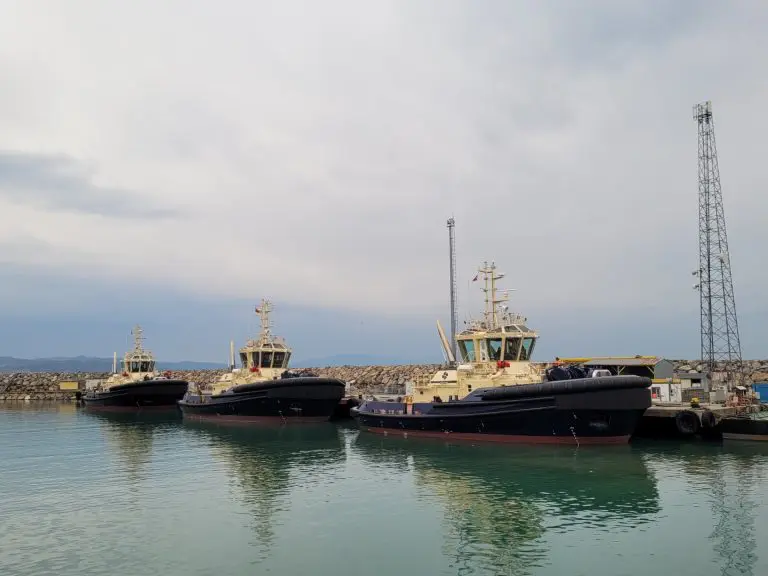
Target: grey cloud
600	32
558	134
60	182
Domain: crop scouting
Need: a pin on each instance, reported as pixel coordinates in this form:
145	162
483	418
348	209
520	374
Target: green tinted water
83	495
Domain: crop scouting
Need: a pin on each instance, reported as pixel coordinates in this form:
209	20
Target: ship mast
491	299
138	337
263	311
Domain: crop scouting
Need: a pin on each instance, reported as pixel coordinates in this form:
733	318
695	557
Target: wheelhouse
268	355
511	343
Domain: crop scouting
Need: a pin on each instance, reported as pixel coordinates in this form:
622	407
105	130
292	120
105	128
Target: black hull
143	395
541	414
343	410
306	399
749	429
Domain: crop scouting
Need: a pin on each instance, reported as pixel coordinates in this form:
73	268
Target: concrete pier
678	420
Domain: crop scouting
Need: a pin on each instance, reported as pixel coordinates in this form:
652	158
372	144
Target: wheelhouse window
494	349
244	359
279	360
467	350
527	350
266	359
511	349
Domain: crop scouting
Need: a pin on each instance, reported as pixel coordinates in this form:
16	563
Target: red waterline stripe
503	438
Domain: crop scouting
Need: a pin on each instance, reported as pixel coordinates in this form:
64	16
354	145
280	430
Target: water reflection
728	478
130	437
35	407
269	464
499	501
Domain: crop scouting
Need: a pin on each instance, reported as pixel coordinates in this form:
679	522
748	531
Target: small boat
601	410
139	386
263	389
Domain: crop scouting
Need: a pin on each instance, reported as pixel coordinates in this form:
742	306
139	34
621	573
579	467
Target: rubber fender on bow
287	383
708	420
563	387
687	423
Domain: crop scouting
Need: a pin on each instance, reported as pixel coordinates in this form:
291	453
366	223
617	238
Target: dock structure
678	420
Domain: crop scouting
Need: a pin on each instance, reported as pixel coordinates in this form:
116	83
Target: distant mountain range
90	364
357	360
87	364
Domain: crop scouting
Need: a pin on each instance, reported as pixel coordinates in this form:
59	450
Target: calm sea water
83	495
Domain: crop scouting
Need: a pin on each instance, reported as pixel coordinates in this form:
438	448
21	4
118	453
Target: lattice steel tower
720	345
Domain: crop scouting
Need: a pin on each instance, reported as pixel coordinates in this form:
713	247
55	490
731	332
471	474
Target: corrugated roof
642	361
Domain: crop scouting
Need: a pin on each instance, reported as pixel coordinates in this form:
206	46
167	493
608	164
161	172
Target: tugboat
263	389
497	394
495	350
138	386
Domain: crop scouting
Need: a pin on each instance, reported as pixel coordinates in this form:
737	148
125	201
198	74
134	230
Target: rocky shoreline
363	379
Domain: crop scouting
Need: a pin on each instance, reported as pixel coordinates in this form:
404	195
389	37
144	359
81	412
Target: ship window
525	353
151	366
279	359
511	349
467	350
244	359
255	359
494	348
145	367
287	359
266	359
134	366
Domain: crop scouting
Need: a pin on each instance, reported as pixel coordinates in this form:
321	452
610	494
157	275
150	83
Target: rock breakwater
39	385
362	379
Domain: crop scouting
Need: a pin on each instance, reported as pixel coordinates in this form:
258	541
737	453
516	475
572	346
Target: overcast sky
173	162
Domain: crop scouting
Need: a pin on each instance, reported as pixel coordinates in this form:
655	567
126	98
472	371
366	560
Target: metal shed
762	390
696	380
